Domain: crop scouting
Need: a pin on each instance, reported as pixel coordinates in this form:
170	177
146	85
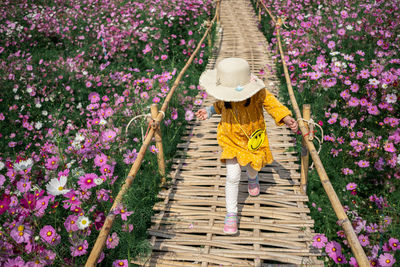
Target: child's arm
291	123
205	113
274	107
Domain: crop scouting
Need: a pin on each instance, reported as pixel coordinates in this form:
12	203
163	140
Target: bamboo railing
157	117
351	236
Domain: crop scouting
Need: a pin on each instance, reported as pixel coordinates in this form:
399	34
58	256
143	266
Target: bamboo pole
259	14
158	137
304	152
105	230
351	236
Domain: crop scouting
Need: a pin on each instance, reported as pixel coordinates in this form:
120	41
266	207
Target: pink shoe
230	225
253	187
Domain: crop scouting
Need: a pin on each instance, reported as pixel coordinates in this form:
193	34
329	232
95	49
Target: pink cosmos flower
354	88
333	247
122	211
174	114
353	102
347	171
52	163
108	135
112	241
100	160
102	194
87	181
153	149
363	164
147	49
70	223
49	235
373	110
341	32
331	44
351	186
80	249
364	241
106	169
189	115
15	262
353	262
386	260
21	233
41	206
88	84
130	156
94	97
338	258
394	243
389	147
364	74
319	241
23	185
120	263
164	57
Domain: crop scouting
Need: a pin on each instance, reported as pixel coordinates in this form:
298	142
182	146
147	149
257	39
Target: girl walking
241	133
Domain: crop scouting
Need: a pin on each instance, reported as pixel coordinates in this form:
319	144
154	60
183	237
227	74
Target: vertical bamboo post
259	13
157	136
209	38
218	8
305	155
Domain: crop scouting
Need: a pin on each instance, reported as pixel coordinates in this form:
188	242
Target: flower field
343	59
73	74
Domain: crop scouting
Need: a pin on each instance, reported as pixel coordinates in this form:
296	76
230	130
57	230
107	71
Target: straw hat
231	81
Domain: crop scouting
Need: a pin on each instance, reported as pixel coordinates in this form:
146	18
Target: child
241	97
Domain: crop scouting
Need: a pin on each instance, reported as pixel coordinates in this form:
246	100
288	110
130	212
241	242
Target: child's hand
291	123
201	114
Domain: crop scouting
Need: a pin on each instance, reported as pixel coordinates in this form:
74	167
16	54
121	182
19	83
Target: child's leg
233	172
251	173
253	185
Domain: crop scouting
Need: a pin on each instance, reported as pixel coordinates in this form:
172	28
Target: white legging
233	172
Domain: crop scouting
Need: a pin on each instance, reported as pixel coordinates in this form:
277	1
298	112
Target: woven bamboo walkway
274	227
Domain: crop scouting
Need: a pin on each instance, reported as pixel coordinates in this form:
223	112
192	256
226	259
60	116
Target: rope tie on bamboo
311	134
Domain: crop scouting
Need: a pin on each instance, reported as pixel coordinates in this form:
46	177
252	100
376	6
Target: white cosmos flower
83	222
98	181
391	98
56	187
1	165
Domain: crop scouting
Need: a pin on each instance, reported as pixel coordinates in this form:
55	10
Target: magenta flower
87	181
364	241
373	110
147	49
122	211
389	147
333	247
319	240
21	233
189	115
331	44
23	185
363	164
100	159
4	204
174	114
338	258
52	163
48	234
386	260
80	249
341	32
153	149
71	223
353	262
106	169
351	186
112	241
354	102
164	57
120	263
108	135
347	171
130	156
394	243
15	262
94	97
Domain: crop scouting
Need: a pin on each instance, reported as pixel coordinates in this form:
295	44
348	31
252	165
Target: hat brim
208	80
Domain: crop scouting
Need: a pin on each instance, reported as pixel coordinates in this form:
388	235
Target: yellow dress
231	137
